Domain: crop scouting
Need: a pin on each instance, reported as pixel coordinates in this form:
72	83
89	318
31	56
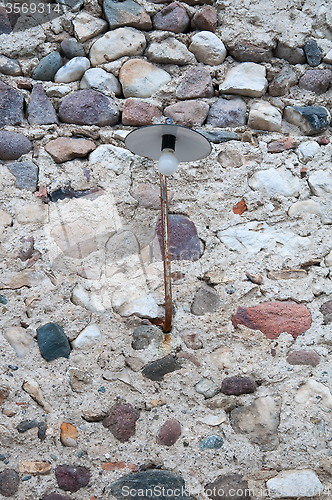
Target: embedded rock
206	387
196	83
183	238
206	300
316	80
273	318
218	137
126	13
40	109
48	66
139	114
158	369
307	151
144	335
205	19
9	66
311	358
259	422
121	421
9	482
11	106
232	486
142	79
295	483
247	79
305	207
118	43
19	339
73	70
71	478
313	53
227	113
281	83
65	148
208	48
326	310
88	107
189	113
169	433
52	342
311	119
263	116
149	197
173	18
13	145
238	385
25	173
71	48
88	337
68	434
87	26
249	52
320	182
294	55
98	79
169	51
283	144
210	443
275	181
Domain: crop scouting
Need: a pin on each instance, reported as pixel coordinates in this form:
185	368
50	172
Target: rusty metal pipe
166	257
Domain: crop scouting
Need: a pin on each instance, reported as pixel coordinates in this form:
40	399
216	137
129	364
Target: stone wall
94	397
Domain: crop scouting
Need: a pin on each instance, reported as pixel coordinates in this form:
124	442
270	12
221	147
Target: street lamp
169	145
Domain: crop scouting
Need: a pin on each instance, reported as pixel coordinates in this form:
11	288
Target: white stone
89	301
263	116
208	48
19	339
248	239
111	157
87	26
305	207
32	387
169	51
102	81
117	43
24	43
275	181
73	70
295	483
328	58
320	182
142	79
328	259
214	420
307	150
314	392
247	79
5	219
221	358
31	213
58	91
90	336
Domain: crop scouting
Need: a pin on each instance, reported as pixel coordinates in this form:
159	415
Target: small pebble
144	335
52	342
169	433
9	482
158	369
71	478
3	300
238	385
207	388
211	442
313	53
68	434
121	421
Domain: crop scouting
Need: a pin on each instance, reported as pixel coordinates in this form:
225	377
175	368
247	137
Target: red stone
273	318
238	385
183	239
323	141
71	478
169	433
121	421
240	207
206	19
139	114
113	466
281	145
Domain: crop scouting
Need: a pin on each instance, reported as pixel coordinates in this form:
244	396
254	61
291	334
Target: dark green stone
47	67
52	342
219	137
3	300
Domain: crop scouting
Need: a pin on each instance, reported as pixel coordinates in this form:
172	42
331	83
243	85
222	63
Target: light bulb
167	163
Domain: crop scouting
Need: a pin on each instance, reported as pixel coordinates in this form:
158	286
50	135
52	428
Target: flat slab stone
158	369
40	109
273	318
11	106
311	119
26	174
52	342
13	145
88	107
126	13
118	43
247	79
218	137
142	79
65	148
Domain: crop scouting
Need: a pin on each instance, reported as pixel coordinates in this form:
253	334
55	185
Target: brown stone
303	358
4	393
281	145
139	114
196	83
251	53
169	433
282	82
316	80
228	487
189	114
113	466
240	207
65	149
149	197
255	278
238	385
206	19
35	468
273	318
173	18
68	434
121	421
326	310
